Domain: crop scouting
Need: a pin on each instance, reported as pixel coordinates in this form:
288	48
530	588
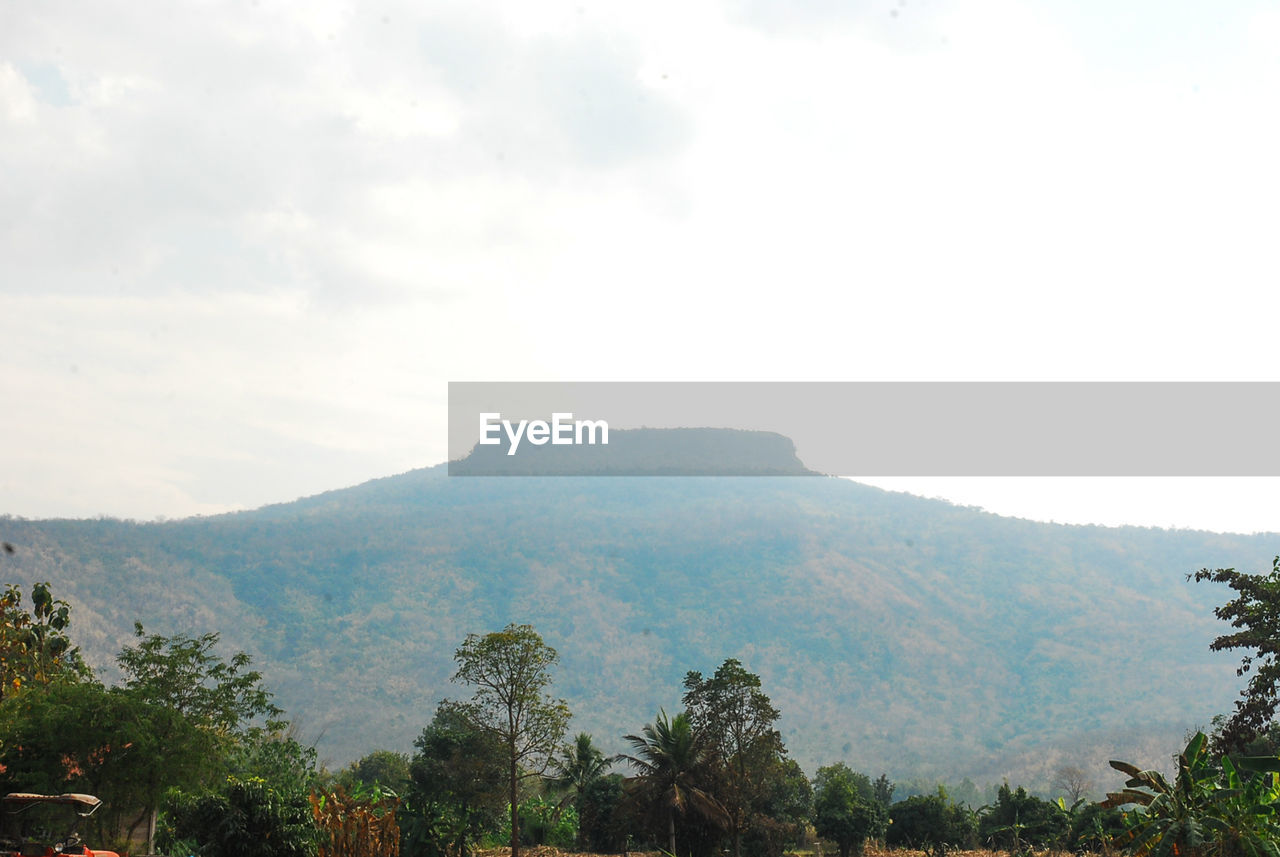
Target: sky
244	246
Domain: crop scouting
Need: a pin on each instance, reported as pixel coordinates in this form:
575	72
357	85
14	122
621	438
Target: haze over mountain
896	633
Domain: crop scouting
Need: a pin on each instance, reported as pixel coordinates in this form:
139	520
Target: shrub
930	823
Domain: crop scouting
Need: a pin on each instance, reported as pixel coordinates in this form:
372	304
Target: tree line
189	747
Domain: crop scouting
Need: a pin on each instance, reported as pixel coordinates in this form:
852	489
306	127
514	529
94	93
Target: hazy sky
244	246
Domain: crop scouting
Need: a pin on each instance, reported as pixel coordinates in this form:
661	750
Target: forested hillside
897	633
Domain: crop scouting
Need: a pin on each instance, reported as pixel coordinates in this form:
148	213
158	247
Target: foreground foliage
1224	809
1018	821
247	818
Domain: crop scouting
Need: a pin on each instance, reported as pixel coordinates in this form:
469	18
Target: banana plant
1247	807
1208	810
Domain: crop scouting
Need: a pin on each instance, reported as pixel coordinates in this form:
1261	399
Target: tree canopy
737	718
1255	613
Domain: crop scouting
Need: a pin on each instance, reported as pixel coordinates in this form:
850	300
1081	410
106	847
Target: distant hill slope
897	633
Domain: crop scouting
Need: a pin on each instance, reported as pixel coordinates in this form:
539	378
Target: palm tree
579	765
672	760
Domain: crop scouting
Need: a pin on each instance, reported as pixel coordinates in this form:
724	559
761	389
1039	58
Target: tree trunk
515	809
671	832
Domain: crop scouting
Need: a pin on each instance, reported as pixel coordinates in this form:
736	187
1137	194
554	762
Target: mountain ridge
897	633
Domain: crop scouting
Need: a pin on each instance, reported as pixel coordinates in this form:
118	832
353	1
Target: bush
930	823
602	817
1019	820
1094	827
247	819
542	823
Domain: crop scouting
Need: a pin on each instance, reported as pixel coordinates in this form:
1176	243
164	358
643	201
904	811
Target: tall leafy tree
738	718
883	790
511	672
579	764
673	762
385	768
1255	613
277	757
603	816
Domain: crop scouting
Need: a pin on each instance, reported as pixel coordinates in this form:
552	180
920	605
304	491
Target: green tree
457	783
862	784
1255	613
842	813
737	717
214	706
673	762
276	757
883	789
184	674
511	671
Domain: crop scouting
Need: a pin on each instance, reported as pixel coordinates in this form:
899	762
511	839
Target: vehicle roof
69	798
